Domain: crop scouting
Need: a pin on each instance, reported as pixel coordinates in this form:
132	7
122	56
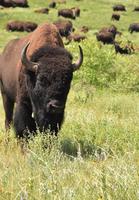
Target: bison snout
54	107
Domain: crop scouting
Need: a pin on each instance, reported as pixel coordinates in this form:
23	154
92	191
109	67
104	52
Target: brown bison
84	29
52	4
119	7
67	13
115	17
14	3
133	27
65	27
105	37
76	10
21	26
35	73
136	8
42	10
107	34
76	37
127	49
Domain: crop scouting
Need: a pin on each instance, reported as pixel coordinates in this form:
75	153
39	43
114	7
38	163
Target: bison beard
35	73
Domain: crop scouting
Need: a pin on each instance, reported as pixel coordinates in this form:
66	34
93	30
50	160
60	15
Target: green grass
96	155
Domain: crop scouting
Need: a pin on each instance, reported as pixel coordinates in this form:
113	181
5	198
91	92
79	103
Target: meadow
96	154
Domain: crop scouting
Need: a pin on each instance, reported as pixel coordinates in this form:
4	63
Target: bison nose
54	107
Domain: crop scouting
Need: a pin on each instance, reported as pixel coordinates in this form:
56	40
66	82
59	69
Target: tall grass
96	153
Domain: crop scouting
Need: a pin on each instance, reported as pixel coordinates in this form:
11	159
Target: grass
96	153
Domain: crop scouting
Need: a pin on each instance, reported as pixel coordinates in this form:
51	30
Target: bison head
48	79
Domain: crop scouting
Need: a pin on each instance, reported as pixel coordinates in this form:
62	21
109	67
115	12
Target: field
96	154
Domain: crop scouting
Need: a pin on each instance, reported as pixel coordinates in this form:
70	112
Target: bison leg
8	108
24	124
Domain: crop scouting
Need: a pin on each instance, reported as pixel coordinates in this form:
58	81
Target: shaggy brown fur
107	34
65	27
42	10
67	13
21	26
52	4
43	91
133	27
84	29
76	10
115	17
76	37
14	3
119	7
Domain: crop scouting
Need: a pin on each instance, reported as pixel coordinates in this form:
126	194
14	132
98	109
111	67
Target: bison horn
32	66
79	62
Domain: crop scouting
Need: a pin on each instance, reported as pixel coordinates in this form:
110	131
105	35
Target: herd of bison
106	35
36	71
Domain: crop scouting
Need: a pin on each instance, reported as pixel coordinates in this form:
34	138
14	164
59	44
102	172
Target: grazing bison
119	7
76	37
123	50
14	3
65	27
127	49
115	17
52	4
42	10
76	10
84	29
21	26
105	37
133	27
36	72
136	8
107	34
67	13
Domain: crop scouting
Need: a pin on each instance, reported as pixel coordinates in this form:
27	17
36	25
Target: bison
119	7
76	10
107	34
36	73
14	3
65	27
21	26
76	37
105	37
136	8
52	4
42	10
133	27
115	17
84	29
67	13
127	49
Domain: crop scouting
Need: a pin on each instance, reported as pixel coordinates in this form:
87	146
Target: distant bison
21	26
14	3
65	27
136	8
52	4
119	7
76	37
67	13
36	73
84	29
105	37
42	10
133	27
76	10
115	17
127	49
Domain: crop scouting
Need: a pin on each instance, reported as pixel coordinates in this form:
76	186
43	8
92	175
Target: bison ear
31	66
79	62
